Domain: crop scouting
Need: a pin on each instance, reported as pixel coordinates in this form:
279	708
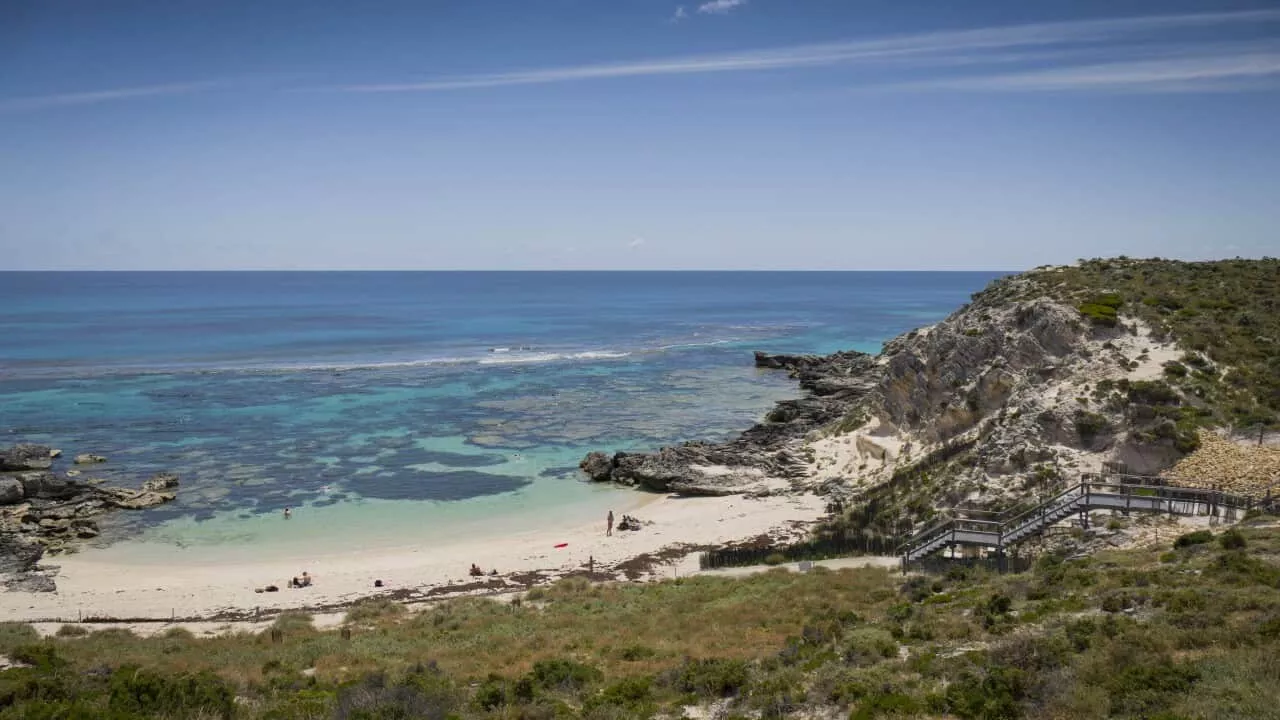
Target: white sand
111	583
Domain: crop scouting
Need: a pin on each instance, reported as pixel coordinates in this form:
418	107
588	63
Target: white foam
552	357
502	355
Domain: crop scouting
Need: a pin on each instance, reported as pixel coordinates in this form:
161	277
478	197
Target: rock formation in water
1042	377
46	511
763	458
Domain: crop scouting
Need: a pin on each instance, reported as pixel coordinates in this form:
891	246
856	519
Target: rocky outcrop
765	455
160	482
43	510
26	457
598	466
11	490
18	553
89	459
1011	390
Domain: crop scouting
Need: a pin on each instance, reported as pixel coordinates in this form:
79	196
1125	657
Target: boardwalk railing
1093	492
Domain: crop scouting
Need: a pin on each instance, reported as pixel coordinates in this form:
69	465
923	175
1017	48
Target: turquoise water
389	408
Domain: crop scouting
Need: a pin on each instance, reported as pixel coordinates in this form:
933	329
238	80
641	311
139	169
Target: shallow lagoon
385	419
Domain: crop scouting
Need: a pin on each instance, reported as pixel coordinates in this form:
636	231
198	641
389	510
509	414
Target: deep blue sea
384	402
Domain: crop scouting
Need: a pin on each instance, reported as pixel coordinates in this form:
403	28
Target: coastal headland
1043	376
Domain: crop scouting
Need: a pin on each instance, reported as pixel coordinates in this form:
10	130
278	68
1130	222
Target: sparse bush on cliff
1227	313
1102	309
1089	425
1154	392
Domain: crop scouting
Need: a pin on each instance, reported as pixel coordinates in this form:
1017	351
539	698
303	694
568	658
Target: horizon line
539	270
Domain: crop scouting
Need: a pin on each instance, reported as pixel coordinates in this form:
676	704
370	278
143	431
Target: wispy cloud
1092	42
720	7
1195	73
635	243
679	14
94	97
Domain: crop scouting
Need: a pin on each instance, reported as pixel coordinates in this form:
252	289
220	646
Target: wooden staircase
1093	492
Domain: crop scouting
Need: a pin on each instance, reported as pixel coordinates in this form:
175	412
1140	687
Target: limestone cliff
1043	376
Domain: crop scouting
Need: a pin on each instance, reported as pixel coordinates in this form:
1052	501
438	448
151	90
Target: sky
635	134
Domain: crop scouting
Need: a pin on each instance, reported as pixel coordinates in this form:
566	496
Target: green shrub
1102	309
563	674
67	631
374	609
632	653
1175	369
1270	628
994	614
711	677
1116	601
995	694
1199	537
293	622
775	559
1232	539
492	693
41	655
1153	392
886	704
31	689
1089	424
1142	689
1236	567
13	634
422	695
146	692
629	697
867	646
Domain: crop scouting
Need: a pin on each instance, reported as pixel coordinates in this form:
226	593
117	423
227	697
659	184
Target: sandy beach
110	583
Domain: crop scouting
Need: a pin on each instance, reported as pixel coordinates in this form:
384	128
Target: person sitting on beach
306	579
475	570
493	571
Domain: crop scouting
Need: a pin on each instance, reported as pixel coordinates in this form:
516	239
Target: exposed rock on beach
42	510
764	458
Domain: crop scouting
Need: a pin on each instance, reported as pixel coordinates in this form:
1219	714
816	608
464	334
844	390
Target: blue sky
635	134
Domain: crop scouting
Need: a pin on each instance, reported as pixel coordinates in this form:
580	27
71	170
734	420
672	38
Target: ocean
399	407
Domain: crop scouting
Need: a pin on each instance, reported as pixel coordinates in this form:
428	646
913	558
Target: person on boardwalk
608	530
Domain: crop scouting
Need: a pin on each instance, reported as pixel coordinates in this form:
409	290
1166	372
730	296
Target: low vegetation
1226	314
1186	629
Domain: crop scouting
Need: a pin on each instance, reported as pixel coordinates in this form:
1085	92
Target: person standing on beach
288	513
608	530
